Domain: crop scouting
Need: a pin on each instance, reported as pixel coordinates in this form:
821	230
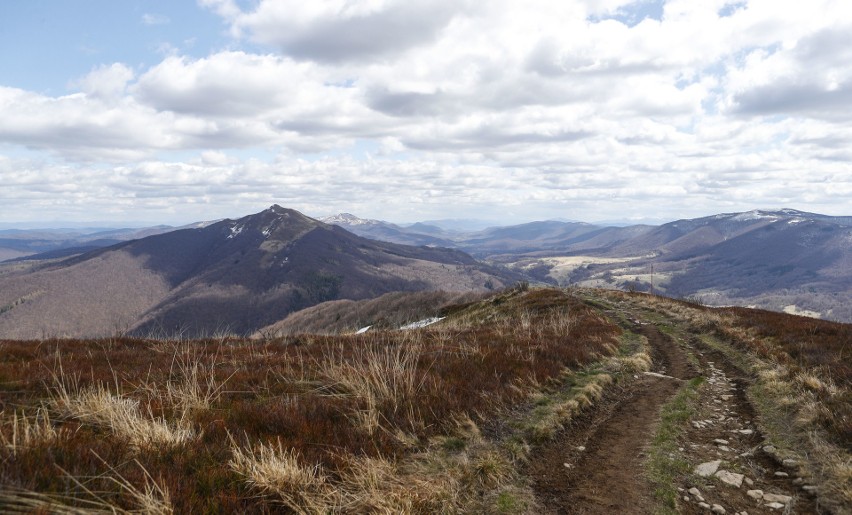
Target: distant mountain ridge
782	259
239	275
230	276
37	244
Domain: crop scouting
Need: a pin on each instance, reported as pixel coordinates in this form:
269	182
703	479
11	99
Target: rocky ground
734	471
598	464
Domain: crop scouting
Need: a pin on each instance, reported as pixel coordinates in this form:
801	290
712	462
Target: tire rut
596	466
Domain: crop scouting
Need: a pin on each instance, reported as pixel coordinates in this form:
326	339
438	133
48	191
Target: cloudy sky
405	110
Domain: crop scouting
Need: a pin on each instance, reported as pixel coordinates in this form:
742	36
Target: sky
168	111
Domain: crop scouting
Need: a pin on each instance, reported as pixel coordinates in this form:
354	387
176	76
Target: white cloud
155	19
339	30
810	77
106	81
439	105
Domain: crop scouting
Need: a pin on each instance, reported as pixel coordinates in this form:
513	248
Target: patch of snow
421	323
754	215
348	219
199	225
793	309
363	330
235	230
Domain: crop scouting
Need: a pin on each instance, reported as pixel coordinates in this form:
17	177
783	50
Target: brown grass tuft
275	470
122	416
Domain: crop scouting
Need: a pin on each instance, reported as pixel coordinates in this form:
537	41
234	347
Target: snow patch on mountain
755	215
235	231
421	323
348	219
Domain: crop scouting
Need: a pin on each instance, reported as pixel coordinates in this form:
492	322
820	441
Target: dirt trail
725	429
596	466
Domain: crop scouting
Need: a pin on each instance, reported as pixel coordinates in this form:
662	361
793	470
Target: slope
233	275
532	401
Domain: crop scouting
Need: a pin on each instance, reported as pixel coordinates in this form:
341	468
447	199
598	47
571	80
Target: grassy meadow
387	421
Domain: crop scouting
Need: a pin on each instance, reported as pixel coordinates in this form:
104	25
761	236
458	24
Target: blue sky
44	44
643	110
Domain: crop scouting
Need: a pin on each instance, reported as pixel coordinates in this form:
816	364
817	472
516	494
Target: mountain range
783	259
232	276
241	276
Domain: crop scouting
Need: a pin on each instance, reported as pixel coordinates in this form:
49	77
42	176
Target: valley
782	259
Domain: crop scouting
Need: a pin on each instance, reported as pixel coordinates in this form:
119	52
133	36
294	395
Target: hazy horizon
480	222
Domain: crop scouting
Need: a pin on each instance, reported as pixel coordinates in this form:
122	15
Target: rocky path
597	466
734	470
599	459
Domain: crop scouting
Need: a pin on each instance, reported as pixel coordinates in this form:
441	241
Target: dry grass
192	385
791	414
383	422
383	378
149	499
122	416
275	470
27	432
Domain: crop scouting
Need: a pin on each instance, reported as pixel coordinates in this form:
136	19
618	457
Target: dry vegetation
386	422
388	311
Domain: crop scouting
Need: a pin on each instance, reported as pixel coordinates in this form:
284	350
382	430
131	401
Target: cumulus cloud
106	81
338	30
812	77
444	104
209	87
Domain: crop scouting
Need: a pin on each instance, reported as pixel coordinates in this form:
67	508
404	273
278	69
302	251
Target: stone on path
730	478
718	509
774	506
755	494
708	468
783	499
657	374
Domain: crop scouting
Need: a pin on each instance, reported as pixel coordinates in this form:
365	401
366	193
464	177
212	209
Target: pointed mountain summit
230	276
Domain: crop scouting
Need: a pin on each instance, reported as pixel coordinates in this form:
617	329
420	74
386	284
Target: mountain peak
278	222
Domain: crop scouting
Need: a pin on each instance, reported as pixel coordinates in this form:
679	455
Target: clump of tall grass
192	385
27	432
385	377
277	471
123	416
